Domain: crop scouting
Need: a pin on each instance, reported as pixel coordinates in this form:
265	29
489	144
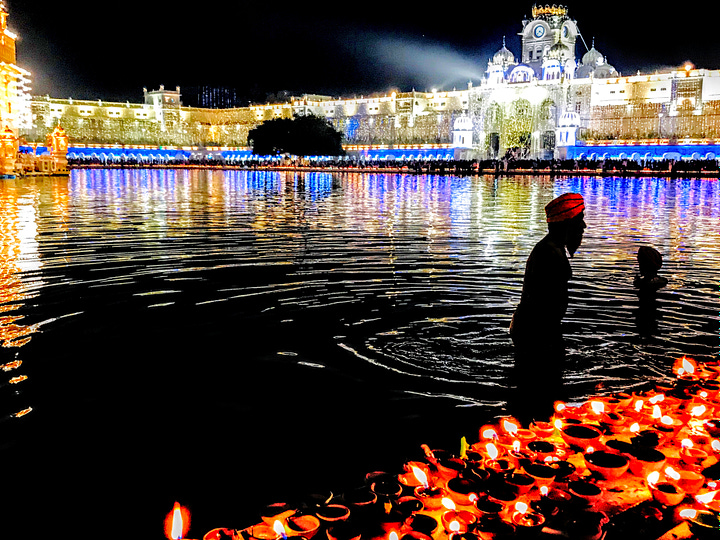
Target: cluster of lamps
592	459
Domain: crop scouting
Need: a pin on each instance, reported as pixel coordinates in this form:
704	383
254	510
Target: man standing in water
536	326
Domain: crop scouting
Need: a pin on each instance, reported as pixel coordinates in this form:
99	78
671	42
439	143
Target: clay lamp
688	481
332	513
430	496
462	490
422	523
493	463
685	369
456	521
702	523
665	493
569	412
608	466
386	489
490	529
524	482
669	425
545	505
305	525
541	449
587	491
649	438
542	474
503	493
619	447
408	478
525	520
449	467
690	455
615	422
414	535
542	429
581	436
643	461
563	471
276	512
344	530
360	499
489	508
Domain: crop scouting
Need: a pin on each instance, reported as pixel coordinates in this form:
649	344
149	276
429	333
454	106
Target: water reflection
420	273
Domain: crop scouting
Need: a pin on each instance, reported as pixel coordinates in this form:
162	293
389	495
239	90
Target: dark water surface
232	339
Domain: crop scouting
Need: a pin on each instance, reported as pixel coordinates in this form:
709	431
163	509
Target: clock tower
549	30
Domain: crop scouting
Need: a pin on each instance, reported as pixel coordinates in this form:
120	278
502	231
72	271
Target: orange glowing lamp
685	367
510	428
653	478
492	451
421	476
598	407
448	503
688	513
521	507
672	473
177	522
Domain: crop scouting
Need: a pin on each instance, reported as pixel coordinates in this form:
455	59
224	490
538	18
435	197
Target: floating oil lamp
542	474
177	522
431	497
526	520
585	490
607	465
331	513
545	505
344	530
690	455
581	435
542	429
702	523
493	463
643	461
524	482
409	478
665	493
422	523
455	521
305	525
541	449
462	490
276	511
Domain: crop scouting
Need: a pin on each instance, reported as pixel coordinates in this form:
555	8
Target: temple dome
593	58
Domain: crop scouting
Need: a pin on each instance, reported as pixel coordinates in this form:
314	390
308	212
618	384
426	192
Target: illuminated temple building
546	102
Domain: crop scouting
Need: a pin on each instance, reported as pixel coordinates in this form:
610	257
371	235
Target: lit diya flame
516	445
657	413
706	498
279	528
473	497
635	428
448	503
666	420
653	478
715	445
657	399
698	410
421	476
521	507
639	405
560	406
672	473
686	443
454	526
558	424
685	367
492	451
177	522
489	433
509	427
393	536
598	407
544	491
688	513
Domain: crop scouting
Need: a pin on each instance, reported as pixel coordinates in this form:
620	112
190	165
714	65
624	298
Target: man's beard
573	243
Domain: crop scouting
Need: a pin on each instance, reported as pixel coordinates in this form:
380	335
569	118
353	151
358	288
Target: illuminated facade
14	82
545	103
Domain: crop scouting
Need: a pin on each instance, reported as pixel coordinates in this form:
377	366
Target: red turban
566	206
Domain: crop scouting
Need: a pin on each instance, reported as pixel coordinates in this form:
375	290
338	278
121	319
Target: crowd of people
426	166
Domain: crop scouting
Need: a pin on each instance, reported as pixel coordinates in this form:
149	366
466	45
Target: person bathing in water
536	326
649	262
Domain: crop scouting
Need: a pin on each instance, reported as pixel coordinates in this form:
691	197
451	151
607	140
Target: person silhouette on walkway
536	329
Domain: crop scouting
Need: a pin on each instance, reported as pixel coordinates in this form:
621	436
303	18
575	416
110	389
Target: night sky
87	50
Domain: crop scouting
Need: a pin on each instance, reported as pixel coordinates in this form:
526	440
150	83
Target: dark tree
299	136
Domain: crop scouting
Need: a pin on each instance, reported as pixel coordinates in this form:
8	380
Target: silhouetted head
566	220
649	261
